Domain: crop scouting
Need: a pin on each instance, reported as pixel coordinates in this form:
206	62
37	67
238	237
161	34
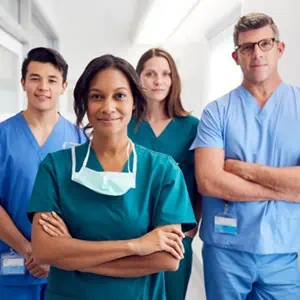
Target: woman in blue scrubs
170	129
123	204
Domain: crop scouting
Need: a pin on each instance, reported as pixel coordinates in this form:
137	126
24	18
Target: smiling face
258	66
110	103
43	85
156	78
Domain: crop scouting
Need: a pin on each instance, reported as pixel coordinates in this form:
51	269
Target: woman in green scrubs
123	204
168	129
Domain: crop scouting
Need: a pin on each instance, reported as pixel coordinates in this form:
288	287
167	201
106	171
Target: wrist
26	250
134	247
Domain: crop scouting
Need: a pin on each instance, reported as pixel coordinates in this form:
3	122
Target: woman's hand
165	238
54	225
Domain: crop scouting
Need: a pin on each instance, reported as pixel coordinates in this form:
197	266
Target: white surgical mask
107	183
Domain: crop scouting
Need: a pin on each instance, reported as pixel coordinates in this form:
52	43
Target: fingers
174	237
172	251
50	229
176	247
60	225
173	229
54	225
39	271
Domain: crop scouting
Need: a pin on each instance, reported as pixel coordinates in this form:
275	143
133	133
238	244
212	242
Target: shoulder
10	122
155	160
73	130
8	127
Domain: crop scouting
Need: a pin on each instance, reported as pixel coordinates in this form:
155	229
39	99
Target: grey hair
254	21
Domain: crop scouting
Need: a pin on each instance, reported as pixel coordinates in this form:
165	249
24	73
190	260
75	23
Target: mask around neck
106	183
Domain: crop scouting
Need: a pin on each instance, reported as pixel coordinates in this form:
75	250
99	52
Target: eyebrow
38	75
99	91
152	70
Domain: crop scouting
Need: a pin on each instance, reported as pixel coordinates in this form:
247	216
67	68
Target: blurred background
197	33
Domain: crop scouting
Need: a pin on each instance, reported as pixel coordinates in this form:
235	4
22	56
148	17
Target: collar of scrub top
88	154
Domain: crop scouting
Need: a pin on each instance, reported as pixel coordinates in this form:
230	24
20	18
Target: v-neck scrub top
20	157
175	140
268	136
160	198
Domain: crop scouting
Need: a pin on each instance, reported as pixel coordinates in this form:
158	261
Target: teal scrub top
175	140
160	198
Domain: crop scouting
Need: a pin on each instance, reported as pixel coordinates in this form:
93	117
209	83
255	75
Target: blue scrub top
247	132
20	157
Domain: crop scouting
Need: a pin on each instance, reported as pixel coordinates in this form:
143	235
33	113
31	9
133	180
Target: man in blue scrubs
247	168
25	139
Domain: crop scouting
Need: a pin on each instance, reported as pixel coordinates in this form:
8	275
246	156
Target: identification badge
12	264
226	224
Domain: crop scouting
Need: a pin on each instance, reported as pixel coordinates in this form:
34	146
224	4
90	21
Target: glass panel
225	75
37	37
9	81
12	7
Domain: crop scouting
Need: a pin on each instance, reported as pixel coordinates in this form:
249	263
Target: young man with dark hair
25	140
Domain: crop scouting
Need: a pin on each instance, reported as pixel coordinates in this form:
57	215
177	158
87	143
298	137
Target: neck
38	119
156	111
109	145
264	90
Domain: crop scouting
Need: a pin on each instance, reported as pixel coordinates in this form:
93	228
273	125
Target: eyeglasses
264	45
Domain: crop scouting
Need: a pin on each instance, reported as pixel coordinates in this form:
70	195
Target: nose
108	106
43	85
257	52
157	80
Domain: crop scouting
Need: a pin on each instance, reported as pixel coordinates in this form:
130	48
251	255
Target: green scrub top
175	140
160	198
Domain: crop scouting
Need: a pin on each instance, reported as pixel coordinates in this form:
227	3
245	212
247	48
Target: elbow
171	264
174	266
205	186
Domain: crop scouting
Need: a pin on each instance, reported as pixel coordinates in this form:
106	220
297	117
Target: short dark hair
173	104
92	69
46	55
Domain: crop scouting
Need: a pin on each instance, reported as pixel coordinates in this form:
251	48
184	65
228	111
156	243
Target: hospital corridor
149	149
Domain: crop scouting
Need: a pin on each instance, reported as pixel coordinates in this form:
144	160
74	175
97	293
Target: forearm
233	188
136	266
73	254
284	180
11	235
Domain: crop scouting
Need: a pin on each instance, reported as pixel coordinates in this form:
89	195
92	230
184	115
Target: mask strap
73	160
87	155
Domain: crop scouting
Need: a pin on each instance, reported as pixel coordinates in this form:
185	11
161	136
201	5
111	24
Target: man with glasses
247	169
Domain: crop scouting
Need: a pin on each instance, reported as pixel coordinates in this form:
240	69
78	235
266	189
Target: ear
281	48
234	55
23	84
64	87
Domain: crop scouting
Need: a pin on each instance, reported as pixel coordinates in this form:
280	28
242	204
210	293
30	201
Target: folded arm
285	180
213	180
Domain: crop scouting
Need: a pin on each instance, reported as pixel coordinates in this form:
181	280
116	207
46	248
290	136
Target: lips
42	97
107	119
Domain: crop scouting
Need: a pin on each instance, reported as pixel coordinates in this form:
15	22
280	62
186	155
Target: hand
165	238
54	225
36	270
